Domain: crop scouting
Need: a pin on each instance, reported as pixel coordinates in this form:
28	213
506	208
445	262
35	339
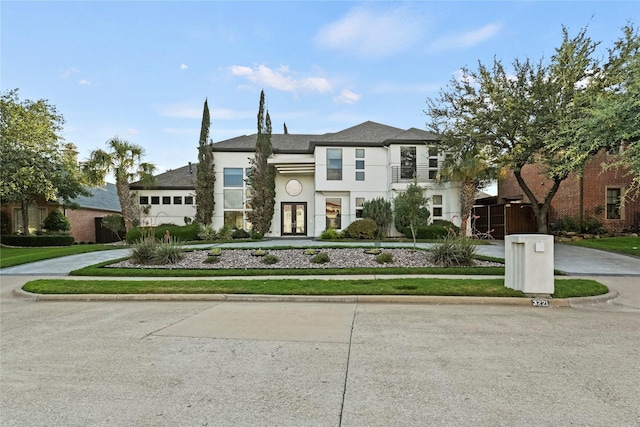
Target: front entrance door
294	219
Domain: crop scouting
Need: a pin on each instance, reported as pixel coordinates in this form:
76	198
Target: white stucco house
321	181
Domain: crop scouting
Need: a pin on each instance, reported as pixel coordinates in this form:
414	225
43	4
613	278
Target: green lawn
406	286
625	244
15	256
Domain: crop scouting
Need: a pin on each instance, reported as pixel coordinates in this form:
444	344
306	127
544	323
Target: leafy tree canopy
528	114
36	162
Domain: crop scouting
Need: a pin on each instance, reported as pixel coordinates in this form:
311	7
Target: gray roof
281	143
365	134
104	198
176	179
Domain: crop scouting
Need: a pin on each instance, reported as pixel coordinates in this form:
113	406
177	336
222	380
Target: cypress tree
205	173
262	176
286	131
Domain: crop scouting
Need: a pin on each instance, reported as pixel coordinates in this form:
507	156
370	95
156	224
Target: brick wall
82	221
577	196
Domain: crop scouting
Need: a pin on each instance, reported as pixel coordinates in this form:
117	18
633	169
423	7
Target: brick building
103	201
595	194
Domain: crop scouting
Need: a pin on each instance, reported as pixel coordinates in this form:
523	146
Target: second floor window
334	164
233	177
407	162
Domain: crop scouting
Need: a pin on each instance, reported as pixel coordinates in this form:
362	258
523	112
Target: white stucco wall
167	213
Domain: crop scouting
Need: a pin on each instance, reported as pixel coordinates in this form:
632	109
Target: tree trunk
539	210
467	198
463	225
125	203
25	216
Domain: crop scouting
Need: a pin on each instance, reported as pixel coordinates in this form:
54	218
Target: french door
294	219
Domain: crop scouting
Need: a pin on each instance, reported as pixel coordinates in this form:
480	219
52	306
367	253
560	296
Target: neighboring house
86	221
170	199
322	181
83	220
595	194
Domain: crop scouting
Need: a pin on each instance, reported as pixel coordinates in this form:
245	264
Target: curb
362	299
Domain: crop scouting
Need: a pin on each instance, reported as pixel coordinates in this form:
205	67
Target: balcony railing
423	173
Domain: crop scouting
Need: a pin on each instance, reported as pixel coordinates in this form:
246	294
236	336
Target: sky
141	70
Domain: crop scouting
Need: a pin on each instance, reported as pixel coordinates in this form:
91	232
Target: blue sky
142	70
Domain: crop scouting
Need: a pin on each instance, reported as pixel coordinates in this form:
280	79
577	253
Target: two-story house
322	181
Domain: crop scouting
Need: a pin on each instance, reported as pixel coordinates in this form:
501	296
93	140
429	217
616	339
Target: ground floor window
334	213
613	203
236	202
234	219
359	206
36	218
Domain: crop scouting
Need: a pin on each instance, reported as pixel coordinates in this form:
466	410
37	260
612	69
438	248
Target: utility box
529	263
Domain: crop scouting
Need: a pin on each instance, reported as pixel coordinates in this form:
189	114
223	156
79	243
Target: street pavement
222	363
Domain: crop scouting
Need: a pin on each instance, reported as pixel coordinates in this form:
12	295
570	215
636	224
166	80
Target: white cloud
66	73
184	67
372	34
468	39
132	131
347	97
282	79
84	82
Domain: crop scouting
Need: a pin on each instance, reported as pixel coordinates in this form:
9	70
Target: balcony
423	173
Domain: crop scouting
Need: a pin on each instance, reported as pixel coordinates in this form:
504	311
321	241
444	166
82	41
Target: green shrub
589	225
330	234
269	259
427	232
255	235
37	241
143	251
364	229
212	259
453	251
447	224
115	224
168	253
240	233
380	211
206	232
225	233
321	258
183	233
56	221
384	258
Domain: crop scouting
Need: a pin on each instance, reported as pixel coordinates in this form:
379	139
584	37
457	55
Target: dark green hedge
37	241
428	232
365	229
183	233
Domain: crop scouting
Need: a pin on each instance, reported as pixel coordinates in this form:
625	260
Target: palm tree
124	160
472	169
